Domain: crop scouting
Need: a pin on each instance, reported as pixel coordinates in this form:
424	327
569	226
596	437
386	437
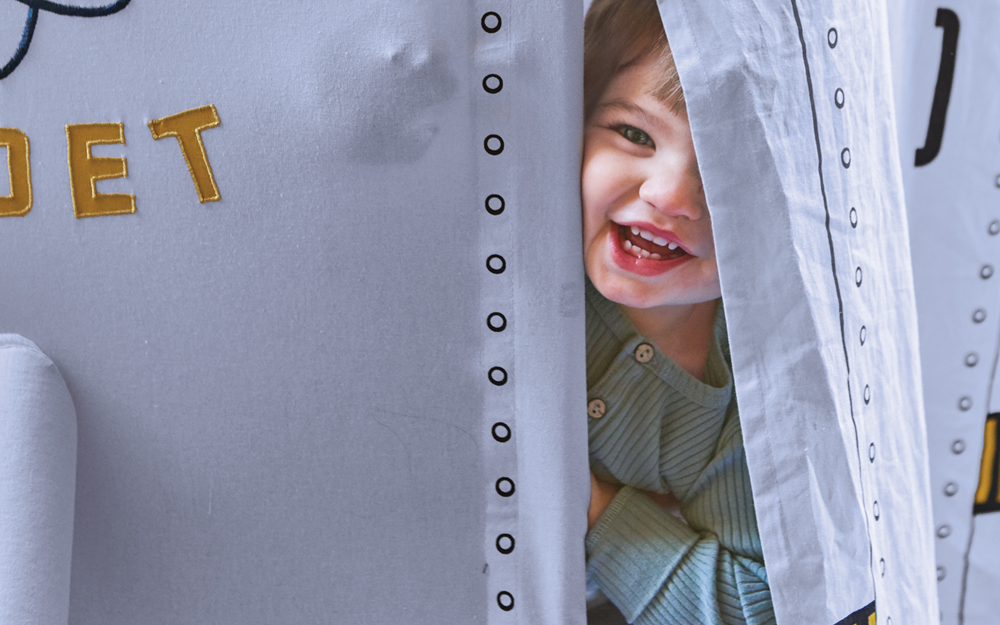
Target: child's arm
657	569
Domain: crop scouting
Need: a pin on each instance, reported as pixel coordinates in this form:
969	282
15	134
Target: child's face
640	181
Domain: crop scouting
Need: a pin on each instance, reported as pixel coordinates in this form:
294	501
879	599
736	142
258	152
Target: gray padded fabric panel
284	410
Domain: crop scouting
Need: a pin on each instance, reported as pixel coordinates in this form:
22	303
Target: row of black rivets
839	100
497	322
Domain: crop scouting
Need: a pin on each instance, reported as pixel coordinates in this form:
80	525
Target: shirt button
644	353
596	408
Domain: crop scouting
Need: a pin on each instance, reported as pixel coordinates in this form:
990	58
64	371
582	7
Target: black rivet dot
941	573
881	566
997	181
871	452
496	322
498	376
868	393
994	228
986	272
493	144
505	543
944	531
965	403
857	276
864	334
838	98
495	204
831	37
491	21
505	600
845	157
971	359
854	218
950	489
492	83
958	447
496	264
875	510
979	315
501	432
505	487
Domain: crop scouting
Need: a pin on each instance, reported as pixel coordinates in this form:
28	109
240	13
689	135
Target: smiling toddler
673	536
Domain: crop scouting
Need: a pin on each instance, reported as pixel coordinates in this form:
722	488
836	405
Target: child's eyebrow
630	107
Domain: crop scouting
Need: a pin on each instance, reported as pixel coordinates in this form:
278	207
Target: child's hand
601	494
668	502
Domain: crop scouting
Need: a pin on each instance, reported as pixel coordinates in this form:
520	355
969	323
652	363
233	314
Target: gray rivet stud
950	489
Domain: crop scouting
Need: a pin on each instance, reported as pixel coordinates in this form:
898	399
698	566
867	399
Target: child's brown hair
622	33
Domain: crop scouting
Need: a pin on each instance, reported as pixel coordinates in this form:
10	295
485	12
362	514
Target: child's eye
634	135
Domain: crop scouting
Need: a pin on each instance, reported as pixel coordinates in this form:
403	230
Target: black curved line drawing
34	6
948	22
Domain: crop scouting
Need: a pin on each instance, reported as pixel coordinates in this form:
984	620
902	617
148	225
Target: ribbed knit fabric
665	431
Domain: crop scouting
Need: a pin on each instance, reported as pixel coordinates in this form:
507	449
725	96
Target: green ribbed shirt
663	430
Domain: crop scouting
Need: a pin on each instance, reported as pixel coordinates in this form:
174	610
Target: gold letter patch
85	170
187	127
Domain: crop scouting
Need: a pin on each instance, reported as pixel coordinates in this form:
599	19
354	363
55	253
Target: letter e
85	170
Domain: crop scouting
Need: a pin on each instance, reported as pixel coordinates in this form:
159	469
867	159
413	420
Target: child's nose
673	193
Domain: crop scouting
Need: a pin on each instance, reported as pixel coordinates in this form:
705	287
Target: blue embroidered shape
34	6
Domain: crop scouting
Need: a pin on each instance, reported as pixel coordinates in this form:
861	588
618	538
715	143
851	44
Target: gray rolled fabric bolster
38	442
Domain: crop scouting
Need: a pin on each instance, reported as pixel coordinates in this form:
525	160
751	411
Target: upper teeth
649	236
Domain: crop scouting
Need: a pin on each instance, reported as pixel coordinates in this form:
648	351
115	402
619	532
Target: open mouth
643	244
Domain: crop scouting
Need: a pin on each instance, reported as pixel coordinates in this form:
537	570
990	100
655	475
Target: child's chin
624	292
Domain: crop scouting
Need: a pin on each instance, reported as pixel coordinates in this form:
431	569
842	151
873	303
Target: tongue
649	246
